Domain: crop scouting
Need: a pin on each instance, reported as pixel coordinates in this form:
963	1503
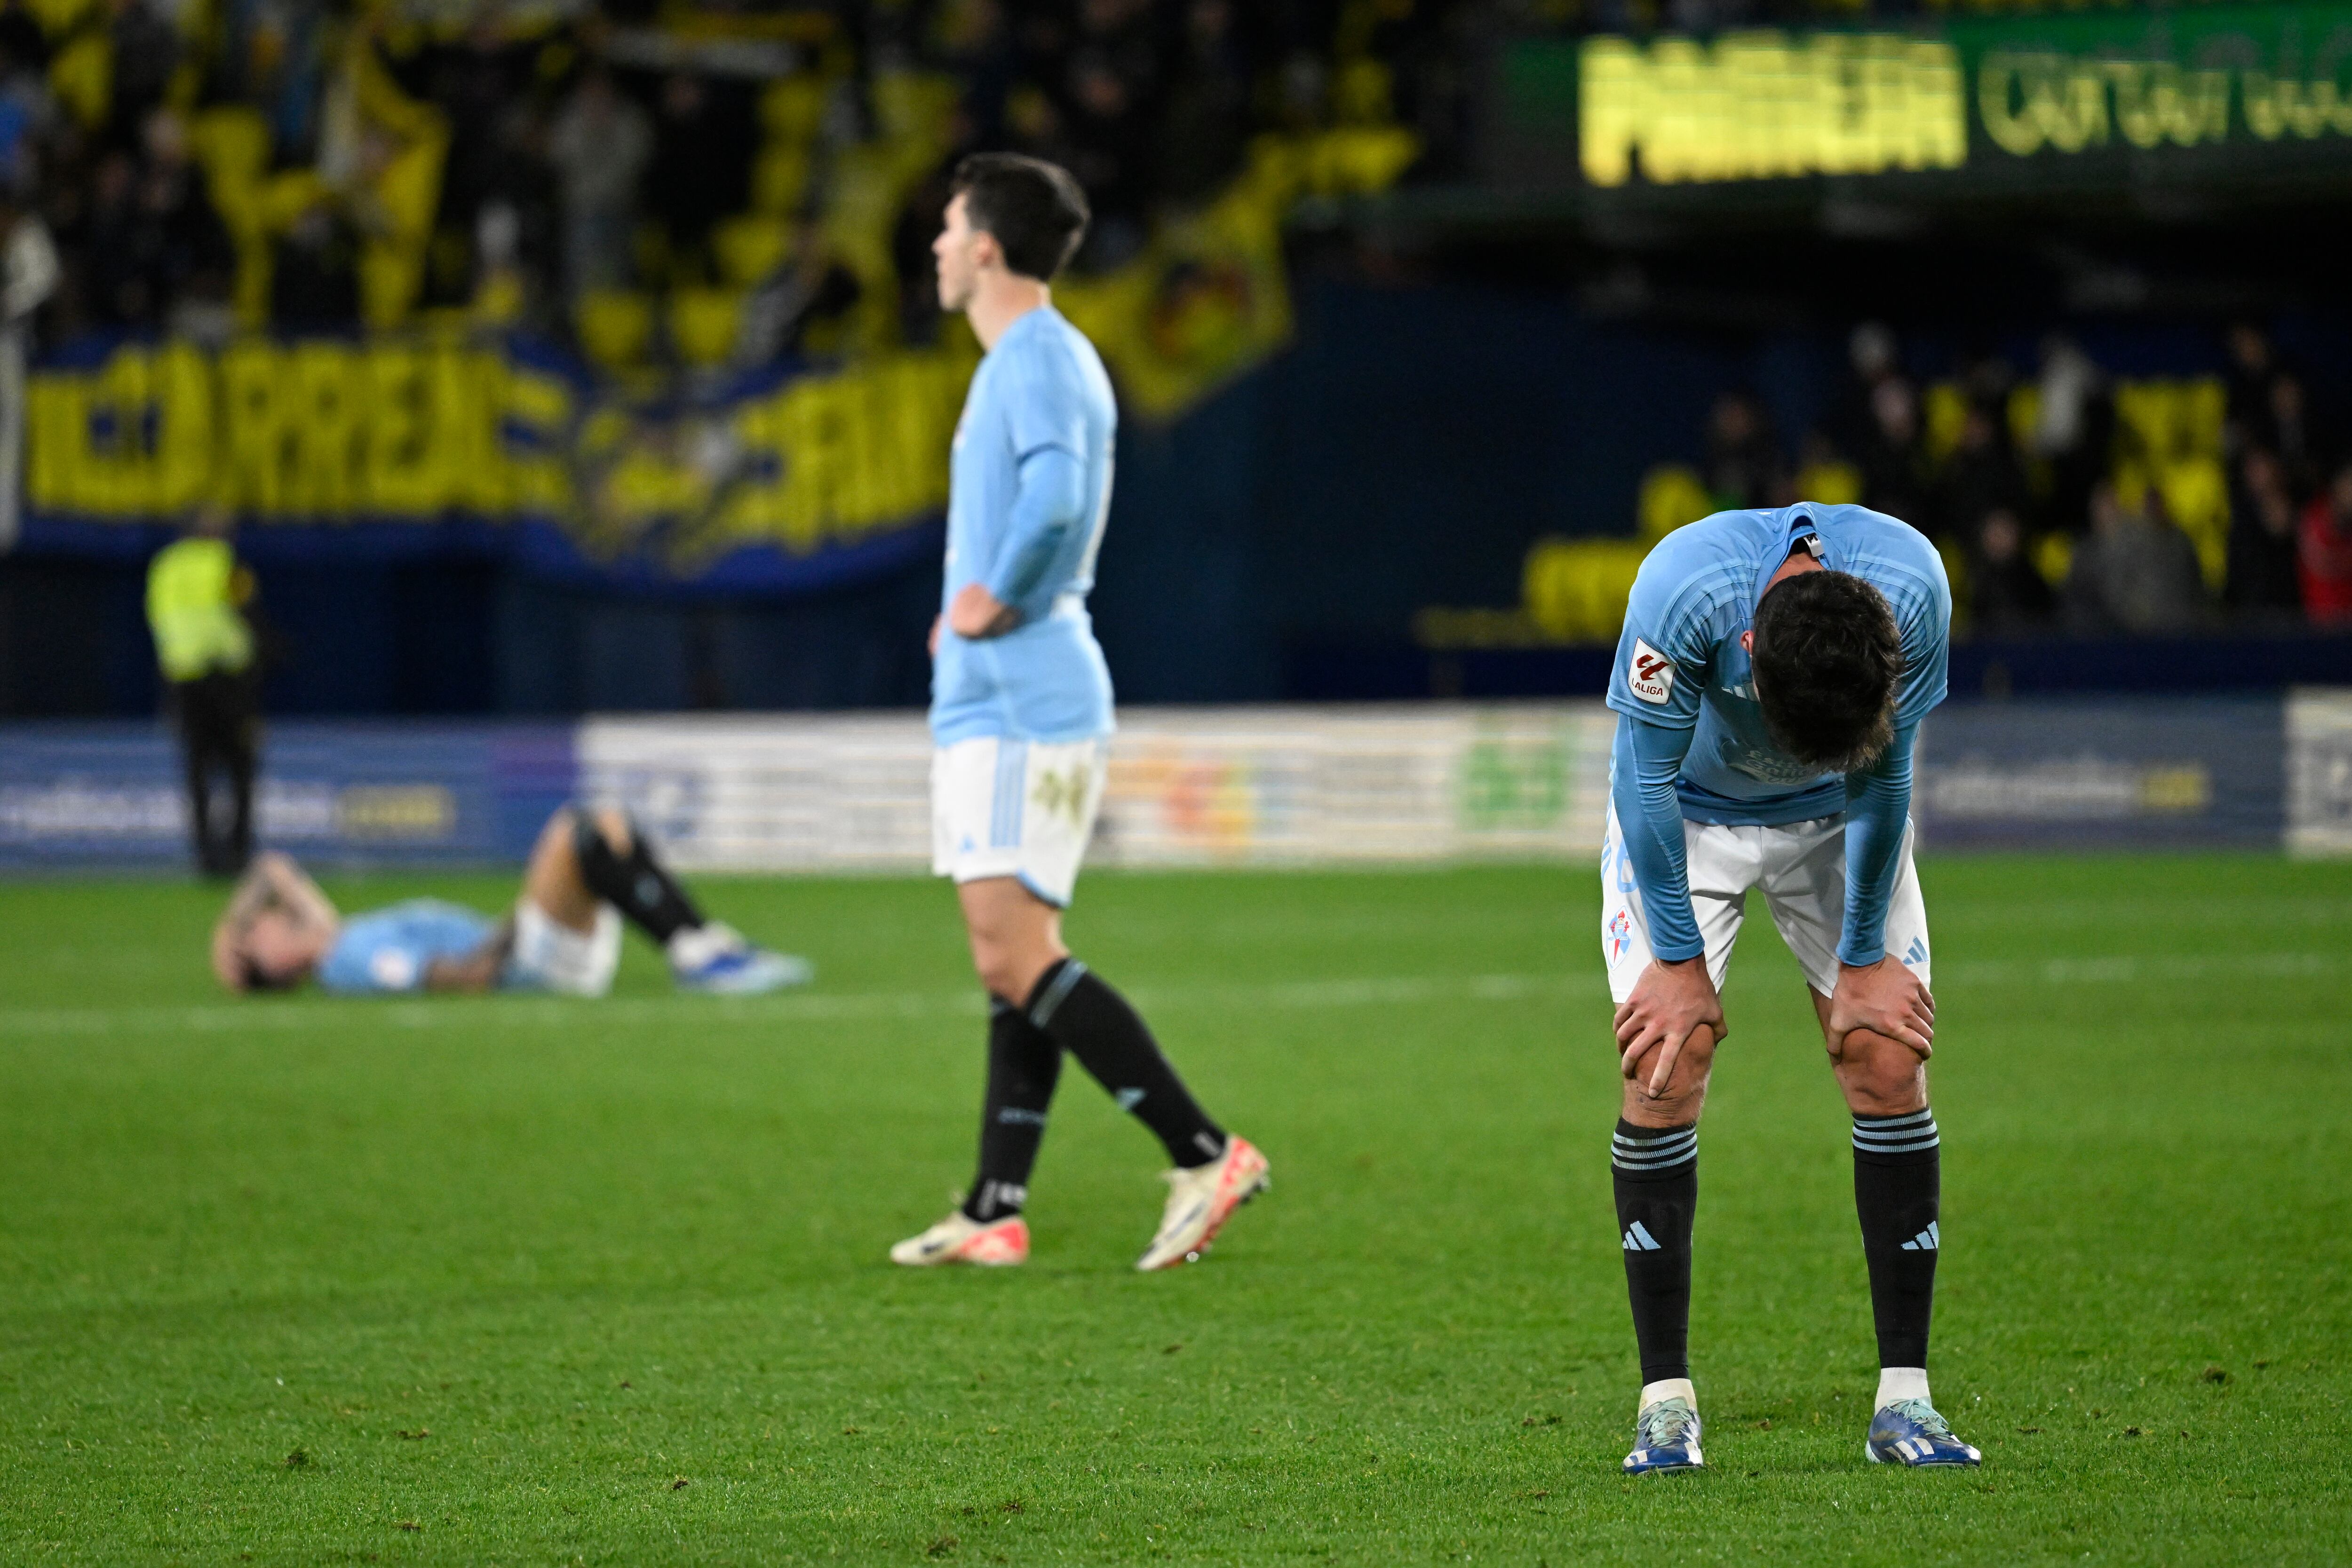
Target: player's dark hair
1034	208
256	978
1826	659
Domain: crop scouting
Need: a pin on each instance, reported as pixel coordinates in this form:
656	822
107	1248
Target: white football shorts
1801	869
549	955
1016	807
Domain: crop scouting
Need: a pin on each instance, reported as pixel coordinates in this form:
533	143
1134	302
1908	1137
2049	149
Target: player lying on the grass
1020	720
1769	684
590	870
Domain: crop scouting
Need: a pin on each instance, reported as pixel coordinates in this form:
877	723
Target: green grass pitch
517	1280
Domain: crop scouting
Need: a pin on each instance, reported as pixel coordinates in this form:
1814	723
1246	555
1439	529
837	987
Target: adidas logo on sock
1639	1240
1918	953
1925	1241
1129	1099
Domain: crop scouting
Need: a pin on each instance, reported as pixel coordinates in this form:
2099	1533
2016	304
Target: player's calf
1653	1172
1023	1066
612	862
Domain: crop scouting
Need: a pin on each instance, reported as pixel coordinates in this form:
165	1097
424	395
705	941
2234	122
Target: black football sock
635	884
1897	1181
1024	1066
1094	1023
1655	1172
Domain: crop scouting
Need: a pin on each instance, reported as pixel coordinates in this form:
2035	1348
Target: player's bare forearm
253	890
975	613
1669	1001
291	889
1886	998
478	971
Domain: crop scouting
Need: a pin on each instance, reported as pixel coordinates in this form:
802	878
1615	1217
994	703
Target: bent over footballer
1769	684
1021	723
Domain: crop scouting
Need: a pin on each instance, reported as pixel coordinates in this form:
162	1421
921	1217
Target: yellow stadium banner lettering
756	511
253	412
1611	107
49	441
538	408
416	427
1758	105
808	423
2276	108
1761	104
863	487
473	381
400	480
186	432
2159	102
117	471
842	458
328	419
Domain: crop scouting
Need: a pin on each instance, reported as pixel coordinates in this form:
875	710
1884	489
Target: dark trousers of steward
219	717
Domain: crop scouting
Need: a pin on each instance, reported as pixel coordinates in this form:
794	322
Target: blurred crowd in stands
2078	501
713	182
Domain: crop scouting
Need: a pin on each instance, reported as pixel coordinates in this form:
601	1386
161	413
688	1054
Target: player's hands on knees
1669	1001
1886	998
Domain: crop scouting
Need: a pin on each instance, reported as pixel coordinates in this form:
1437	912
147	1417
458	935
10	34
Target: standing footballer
1769	684
1021	722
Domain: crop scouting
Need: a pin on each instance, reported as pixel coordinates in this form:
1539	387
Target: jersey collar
1799	525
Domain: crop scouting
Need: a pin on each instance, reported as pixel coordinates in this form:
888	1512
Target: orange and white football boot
1200	1200
960	1239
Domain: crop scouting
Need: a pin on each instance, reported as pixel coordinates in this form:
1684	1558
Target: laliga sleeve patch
1651	676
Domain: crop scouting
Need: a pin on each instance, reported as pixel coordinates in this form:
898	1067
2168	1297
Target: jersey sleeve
1877	811
1663	652
1925	623
1642	767
1050	502
1045	405
1046	417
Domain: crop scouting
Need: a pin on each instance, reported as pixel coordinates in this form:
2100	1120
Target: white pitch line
314	1014
273	1014
2140	969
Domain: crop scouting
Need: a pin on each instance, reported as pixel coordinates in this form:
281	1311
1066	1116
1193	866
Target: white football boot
1200	1200
958	1239
715	958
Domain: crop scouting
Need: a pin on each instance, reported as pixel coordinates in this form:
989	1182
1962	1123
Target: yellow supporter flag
413	428
1208	298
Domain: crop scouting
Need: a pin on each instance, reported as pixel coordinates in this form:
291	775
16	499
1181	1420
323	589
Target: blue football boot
1666	1439
1909	1432
714	958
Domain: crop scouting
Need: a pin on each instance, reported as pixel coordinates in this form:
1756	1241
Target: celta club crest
1620	934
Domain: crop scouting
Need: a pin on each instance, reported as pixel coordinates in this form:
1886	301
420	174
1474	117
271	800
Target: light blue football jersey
1680	664
390	949
1041	390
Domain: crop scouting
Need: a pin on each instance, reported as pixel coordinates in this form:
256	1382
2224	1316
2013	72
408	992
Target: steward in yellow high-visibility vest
196	594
